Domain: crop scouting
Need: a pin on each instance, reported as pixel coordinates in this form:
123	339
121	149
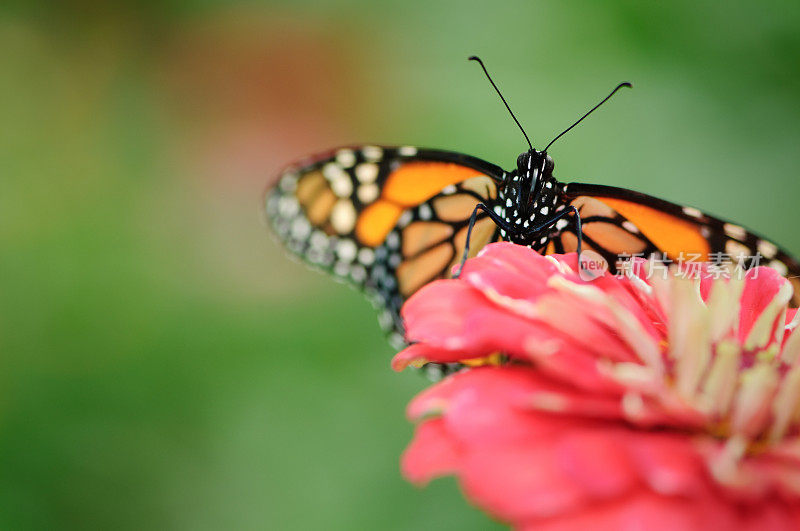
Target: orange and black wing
619	222
387	219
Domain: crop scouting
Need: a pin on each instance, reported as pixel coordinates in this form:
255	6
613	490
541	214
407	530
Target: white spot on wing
367	193
385	320
358	273
342	186
407	151
366	256
341	269
343	216
288	207
734	231
372	153
736	250
693	212
405	218
333	171
425	211
300	229
630	227
367	172
779	266
393	240
288	182
768	249
346	249
345	157
318	239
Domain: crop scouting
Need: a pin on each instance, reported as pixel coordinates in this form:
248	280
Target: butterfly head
533	163
534	168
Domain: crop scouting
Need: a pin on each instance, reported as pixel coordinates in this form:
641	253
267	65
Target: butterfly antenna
624	84
476	58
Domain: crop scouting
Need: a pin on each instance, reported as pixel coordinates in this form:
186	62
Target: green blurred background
165	365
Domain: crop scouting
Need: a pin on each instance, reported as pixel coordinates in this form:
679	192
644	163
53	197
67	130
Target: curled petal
432	453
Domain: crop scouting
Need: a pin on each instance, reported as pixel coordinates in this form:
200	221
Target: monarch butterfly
392	219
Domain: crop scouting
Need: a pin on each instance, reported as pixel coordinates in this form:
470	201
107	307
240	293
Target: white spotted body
529	197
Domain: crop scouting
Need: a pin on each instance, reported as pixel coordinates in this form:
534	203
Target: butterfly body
527	197
391	219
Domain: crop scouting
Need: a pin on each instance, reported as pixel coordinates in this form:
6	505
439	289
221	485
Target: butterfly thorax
527	197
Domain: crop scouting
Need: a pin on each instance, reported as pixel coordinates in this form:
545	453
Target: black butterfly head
525	185
532	164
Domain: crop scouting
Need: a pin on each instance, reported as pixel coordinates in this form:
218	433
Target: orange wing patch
416	272
609	236
482	234
376	221
409	185
423	234
671	235
454	207
415	182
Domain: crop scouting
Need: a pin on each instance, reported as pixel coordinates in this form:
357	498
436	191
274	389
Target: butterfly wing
385	219
617	222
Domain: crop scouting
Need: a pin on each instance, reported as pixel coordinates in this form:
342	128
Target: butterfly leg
549	223
499	221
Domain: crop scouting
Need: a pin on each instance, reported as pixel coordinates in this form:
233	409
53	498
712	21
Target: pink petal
431	454
761	286
790	315
668	463
460	323
436	312
434	400
596	459
484	407
519	483
510	270
420	353
644	511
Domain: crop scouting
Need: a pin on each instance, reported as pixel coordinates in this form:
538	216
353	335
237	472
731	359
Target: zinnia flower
633	402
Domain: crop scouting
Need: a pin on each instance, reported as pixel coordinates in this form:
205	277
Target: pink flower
635	402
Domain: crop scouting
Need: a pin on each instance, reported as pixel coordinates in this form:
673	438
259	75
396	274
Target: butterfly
392	219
